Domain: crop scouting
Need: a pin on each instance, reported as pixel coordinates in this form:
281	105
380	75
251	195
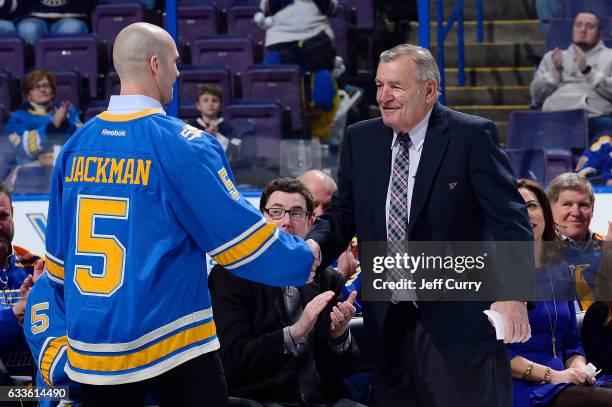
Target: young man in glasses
289	344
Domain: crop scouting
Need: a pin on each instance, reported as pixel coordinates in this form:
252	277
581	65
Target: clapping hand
341	316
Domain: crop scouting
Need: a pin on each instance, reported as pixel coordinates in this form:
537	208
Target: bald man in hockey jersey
137	200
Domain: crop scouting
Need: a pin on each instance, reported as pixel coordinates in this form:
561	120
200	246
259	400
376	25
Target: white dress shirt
126	104
417	138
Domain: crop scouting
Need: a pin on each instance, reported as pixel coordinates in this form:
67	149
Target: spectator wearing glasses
42	120
579	77
289	344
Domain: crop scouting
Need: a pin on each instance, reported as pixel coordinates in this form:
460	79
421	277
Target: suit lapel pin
452	185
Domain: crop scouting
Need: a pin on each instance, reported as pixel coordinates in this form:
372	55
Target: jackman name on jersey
109	170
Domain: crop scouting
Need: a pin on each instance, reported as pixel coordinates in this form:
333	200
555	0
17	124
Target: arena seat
33	180
601	8
234	51
188	112
108	19
7	157
12	57
112	84
364	10
266	117
196	20
194	75
70	52
68	86
339	23
560	133
240	22
529	163
5	94
276	81
94	108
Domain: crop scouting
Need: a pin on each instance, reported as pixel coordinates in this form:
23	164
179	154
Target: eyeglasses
279	213
42	86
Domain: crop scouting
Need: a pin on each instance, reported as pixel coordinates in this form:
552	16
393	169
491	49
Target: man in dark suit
460	187
288	344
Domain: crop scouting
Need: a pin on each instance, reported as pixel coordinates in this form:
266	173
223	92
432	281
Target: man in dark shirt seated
289	344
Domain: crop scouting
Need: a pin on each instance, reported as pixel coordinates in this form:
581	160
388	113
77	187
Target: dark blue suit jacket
483	205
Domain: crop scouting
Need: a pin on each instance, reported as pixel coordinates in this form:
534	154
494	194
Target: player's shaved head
145	57
135	45
322	186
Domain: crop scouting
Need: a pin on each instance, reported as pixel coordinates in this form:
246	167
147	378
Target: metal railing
443	31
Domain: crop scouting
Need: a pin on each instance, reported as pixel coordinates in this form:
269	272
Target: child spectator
208	104
42	119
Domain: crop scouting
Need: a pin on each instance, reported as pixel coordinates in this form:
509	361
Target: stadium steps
492	76
487	95
493	54
505	10
495	113
494	31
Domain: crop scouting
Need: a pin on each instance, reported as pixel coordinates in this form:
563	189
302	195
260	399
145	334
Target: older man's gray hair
570	181
426	65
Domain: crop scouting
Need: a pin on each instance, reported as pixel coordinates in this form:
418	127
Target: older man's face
403	100
7	228
573	212
586	31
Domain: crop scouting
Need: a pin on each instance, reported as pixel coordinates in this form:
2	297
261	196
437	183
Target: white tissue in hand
498	323
591	370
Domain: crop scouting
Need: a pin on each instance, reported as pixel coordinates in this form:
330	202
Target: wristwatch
586	70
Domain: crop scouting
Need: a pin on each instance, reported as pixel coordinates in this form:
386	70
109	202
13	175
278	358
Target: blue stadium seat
108	19
560	133
364	10
7	156
195	21
529	163
94	108
70	52
188	112
68	86
601	8
12	56
339	23
5	93
281	82
234	51
266	117
112	84
194	75
240	22
33	180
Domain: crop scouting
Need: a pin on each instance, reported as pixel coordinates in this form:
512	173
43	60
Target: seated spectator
288	344
16	266
550	368
36	18
573	201
579	77
45	332
596	162
46	158
42	120
597	324
208	104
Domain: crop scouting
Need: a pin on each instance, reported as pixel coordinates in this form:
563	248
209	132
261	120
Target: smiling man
579	77
424	172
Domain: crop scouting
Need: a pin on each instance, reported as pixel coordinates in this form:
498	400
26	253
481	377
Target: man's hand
316	253
60	114
19	306
309	316
341	316
516	321
39	268
557	58
580	58
347	264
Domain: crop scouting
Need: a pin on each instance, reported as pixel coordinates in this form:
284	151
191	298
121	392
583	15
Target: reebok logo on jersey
115	133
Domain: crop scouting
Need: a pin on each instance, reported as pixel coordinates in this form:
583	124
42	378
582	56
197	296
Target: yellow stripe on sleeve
247	247
49	355
110	363
54	269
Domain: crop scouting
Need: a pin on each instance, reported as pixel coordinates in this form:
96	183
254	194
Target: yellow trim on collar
127	117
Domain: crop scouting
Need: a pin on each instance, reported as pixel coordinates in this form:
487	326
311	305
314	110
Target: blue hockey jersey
136	201
45	330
